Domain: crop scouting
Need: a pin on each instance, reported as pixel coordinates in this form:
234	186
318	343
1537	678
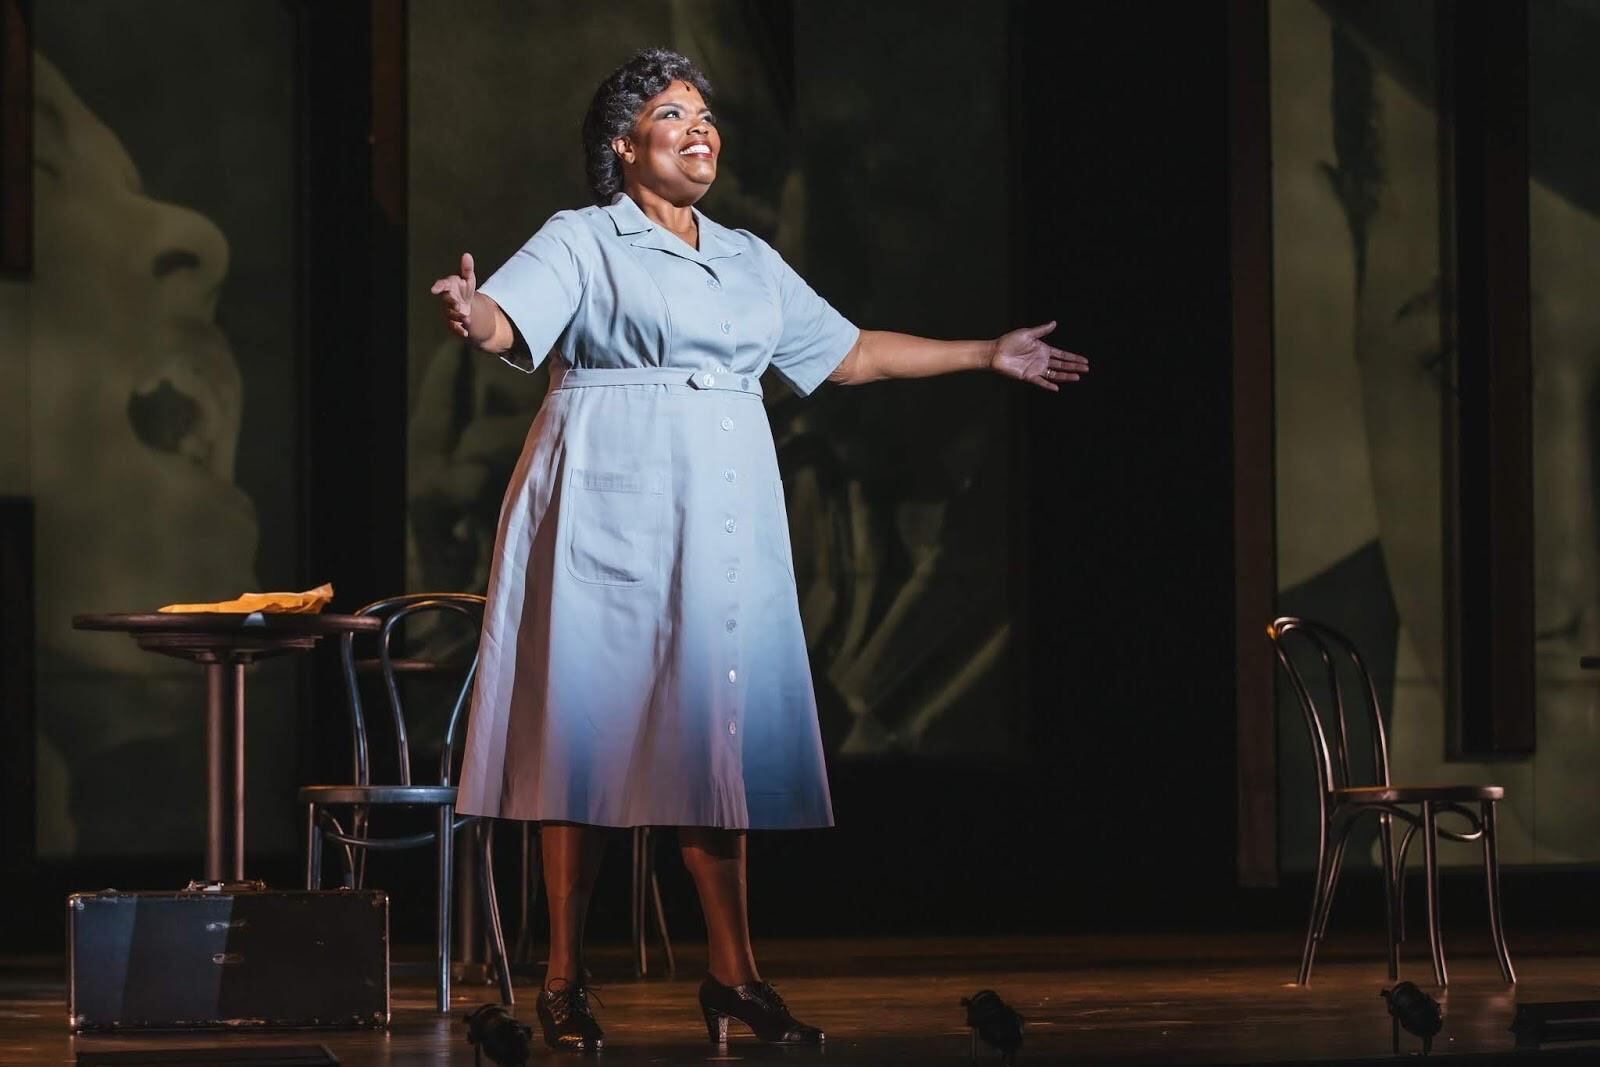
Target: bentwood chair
448	611
1309	652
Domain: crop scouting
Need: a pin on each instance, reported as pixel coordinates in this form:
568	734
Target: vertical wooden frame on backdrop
16	138
1488	417
1254	532
18	714
352	451
18	722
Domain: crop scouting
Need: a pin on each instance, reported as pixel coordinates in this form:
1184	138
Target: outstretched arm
471	314
1020	354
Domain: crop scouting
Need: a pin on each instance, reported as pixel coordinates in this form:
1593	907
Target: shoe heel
716	1027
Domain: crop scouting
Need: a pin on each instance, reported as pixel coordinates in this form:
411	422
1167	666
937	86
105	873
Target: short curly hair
615	109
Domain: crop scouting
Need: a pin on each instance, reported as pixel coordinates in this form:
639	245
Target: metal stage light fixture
1415	1010
996	1022
492	1031
1564	1020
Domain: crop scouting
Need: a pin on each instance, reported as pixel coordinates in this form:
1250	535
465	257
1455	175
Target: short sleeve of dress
539	288
814	338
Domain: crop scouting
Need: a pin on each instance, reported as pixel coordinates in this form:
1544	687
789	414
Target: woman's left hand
1021	354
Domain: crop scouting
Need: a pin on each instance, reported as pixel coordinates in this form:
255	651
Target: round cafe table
224	644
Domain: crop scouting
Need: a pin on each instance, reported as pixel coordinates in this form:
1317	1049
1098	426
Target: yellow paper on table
307	603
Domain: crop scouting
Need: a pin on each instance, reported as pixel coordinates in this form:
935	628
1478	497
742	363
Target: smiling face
136	397
674	146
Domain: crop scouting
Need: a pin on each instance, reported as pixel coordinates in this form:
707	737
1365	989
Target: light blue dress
642	660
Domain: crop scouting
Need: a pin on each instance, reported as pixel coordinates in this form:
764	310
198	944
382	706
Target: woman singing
642	661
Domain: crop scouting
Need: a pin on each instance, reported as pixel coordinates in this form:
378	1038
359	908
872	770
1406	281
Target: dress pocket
613	526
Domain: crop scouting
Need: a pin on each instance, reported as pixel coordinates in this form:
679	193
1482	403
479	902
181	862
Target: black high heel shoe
567	1020
758	1006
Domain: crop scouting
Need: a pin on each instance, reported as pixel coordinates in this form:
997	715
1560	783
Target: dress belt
565	377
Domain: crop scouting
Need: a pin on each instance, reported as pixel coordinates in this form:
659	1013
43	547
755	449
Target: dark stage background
1088	778
1105	191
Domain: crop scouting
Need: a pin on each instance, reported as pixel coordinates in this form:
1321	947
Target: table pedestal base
224	643
224	770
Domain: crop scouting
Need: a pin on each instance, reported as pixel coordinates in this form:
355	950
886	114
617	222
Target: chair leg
447	818
641	847
661	923
358	857
1491	871
1335	868
319	817
313	849
1400	880
1308	952
349	852
524	938
469	936
1430	874
528	898
1386	842
491	909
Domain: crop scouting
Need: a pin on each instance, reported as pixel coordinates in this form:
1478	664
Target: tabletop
210	635
227	622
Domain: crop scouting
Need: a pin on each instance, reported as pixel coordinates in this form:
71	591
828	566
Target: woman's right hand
455	293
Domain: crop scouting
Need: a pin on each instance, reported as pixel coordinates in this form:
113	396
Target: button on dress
642	660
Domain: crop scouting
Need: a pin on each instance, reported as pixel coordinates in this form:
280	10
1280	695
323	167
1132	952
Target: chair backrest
441	609
1302	643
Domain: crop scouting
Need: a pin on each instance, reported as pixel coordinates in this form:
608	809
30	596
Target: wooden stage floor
1087	999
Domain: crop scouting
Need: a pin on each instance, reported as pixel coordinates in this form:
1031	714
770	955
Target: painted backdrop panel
159	397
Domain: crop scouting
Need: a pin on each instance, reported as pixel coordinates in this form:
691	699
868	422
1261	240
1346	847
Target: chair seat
1416	794
378	794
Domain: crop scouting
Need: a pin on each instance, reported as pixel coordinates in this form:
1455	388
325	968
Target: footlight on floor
492	1031
1418	1013
1555	1021
996	1022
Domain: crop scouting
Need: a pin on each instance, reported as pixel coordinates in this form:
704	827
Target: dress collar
631	221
